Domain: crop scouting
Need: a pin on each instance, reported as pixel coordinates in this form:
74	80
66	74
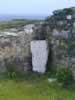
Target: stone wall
15	51
60	29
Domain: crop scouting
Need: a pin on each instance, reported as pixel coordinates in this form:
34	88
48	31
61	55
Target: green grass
6	25
33	88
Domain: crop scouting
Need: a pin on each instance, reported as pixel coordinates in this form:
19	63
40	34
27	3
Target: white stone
50	80
29	28
74	24
10	33
69	17
39	49
55	32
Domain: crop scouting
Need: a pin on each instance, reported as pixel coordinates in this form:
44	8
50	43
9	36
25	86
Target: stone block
39	51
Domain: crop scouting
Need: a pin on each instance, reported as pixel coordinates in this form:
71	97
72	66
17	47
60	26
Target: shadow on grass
31	77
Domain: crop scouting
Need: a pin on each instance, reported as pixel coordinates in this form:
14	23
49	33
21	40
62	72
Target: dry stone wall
61	37
15	51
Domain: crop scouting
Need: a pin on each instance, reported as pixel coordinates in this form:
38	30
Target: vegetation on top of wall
60	33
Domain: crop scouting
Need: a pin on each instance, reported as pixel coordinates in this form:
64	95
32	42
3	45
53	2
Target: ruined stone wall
61	36
15	51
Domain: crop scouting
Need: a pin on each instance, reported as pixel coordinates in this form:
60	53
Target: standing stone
39	49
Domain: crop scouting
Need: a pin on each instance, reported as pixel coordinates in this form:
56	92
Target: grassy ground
33	88
17	23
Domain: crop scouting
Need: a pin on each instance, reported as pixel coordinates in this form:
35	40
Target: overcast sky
33	7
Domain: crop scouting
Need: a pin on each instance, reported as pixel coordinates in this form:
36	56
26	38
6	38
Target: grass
33	88
16	23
